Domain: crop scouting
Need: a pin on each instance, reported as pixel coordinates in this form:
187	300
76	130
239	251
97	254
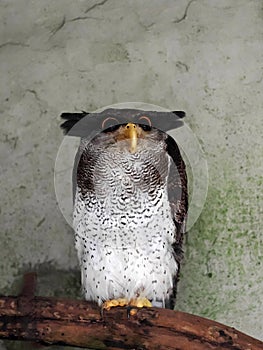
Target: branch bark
79	323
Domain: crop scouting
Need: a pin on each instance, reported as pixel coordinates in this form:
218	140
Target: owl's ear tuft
180	114
71	120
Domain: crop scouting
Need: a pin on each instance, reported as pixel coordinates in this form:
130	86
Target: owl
130	205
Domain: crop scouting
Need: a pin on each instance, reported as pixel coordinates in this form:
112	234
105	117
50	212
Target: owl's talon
102	311
131	311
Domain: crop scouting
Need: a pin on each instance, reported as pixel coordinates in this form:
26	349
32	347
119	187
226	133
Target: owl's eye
109	123
145	127
112	128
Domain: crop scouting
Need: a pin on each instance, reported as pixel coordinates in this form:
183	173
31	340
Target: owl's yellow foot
138	303
114	302
132	304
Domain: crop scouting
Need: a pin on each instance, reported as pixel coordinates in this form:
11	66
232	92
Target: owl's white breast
124	228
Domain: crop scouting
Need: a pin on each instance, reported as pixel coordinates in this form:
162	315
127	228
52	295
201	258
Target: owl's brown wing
178	198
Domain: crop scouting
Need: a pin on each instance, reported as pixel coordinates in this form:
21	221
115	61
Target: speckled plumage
129	216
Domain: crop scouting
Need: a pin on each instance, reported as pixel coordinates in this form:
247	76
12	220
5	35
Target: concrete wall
202	56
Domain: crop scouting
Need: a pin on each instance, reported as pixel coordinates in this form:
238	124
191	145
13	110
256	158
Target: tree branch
79	323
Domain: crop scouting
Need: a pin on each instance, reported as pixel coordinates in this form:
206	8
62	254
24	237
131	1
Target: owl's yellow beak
131	133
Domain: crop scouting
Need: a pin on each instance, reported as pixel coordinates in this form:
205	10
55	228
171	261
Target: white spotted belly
126	252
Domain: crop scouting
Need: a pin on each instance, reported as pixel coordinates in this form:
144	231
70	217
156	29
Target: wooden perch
79	323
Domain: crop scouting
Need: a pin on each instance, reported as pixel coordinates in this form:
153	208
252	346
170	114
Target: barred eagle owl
130	205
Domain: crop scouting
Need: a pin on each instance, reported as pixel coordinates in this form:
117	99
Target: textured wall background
202	56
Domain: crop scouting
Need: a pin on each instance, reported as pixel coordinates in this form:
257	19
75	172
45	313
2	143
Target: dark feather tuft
180	114
71	120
